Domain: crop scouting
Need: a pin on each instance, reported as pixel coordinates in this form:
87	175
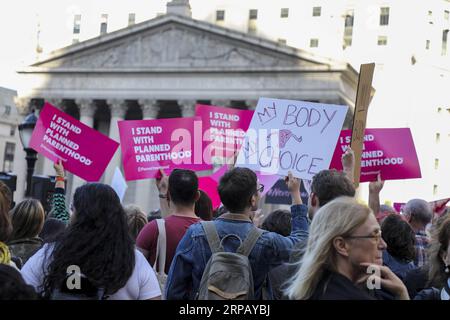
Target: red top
176	227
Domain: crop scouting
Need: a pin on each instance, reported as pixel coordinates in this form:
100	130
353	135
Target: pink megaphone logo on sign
284	136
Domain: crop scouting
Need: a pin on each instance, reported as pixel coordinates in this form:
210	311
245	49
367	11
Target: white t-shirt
142	285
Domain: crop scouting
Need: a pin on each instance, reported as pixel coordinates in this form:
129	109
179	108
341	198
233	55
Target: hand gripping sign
84	151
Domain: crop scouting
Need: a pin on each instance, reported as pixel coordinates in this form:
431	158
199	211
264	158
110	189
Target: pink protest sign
390	152
59	136
209	186
223	130
398	206
150	145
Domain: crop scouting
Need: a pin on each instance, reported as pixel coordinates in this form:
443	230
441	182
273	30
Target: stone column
118	109
20	164
251	104
146	195
187	108
56	102
220	102
87	110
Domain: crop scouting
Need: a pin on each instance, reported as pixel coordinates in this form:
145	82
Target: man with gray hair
418	213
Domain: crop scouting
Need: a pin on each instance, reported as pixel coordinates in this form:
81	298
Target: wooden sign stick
360	117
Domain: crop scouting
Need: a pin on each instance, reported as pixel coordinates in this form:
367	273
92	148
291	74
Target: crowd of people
333	247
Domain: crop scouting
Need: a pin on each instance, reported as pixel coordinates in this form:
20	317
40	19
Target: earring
447	269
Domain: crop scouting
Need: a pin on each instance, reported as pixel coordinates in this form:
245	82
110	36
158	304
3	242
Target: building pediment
176	43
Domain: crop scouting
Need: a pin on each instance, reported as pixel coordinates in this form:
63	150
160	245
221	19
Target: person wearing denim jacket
239	192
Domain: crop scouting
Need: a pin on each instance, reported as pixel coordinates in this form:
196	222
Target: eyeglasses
260	188
376	236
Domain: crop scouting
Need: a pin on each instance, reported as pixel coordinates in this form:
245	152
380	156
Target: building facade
408	41
162	67
12	156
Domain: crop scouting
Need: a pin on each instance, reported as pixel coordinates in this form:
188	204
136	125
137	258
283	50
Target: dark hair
183	187
327	185
236	188
136	220
97	241
203	207
52	229
27	219
278	221
439	244
5	204
12	285
399	237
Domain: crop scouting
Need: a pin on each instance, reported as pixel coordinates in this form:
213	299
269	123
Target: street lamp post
25	132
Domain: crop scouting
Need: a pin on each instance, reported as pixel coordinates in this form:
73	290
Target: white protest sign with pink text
288	135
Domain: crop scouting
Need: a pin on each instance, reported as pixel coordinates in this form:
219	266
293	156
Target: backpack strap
247	246
161	247
212	236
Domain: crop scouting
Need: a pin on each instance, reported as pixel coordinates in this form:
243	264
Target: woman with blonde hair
343	258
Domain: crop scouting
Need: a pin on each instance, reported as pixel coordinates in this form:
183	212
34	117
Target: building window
444	42
384	16
314	43
9	157
438	137
104	24
220	15
348	28
317	11
131	19
439	109
284	13
436	164
446	15
430	13
12	131
435	189
427	45
282	41
252	17
76	23
382	40
7	111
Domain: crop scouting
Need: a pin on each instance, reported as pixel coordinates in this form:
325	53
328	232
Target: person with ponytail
96	248
344	244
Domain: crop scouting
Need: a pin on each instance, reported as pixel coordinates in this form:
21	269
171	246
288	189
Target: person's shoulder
428	294
139	257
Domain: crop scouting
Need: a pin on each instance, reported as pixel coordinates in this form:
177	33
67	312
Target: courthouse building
161	68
